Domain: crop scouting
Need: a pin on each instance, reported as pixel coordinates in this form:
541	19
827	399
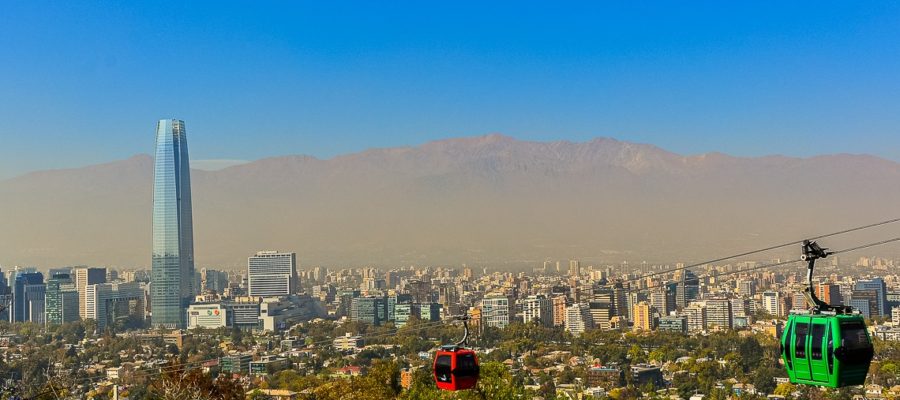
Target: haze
483	200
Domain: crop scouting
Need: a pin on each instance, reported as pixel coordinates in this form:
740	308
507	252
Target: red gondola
455	367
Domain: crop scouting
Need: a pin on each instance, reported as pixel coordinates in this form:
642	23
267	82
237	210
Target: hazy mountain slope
477	200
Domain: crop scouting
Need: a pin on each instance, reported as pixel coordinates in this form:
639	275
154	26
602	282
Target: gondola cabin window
442	368
466	365
818	336
800	343
853	336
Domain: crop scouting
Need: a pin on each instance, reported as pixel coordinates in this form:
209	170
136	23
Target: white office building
537	308
772	303
578	318
496	310
210	316
272	274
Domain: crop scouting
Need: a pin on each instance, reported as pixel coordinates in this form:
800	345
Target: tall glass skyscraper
172	280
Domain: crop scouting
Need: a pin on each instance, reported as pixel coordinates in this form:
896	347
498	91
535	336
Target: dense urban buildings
173	280
357	300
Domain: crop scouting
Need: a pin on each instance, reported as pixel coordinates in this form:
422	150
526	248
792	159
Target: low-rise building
608	377
348	342
672	323
642	374
209	316
236	363
267	365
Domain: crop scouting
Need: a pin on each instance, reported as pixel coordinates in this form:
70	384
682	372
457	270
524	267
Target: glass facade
27	292
61	302
172	277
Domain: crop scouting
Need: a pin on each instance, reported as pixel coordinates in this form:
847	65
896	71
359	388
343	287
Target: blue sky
84	82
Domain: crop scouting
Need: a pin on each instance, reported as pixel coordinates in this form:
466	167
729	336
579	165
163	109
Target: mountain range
488	200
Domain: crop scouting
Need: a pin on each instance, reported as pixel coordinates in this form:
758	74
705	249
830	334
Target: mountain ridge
488	199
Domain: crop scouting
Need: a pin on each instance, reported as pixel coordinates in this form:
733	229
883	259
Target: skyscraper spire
172	280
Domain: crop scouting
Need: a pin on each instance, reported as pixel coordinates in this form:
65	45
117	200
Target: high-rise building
85	276
772	303
537	308
574	268
688	288
27	296
659	300
740	308
673	323
369	309
214	280
829	293
272	274
448	296
61	301
633	299
559	310
880	289
718	313
622	299
746	287
35	303
109	302
5	297
866	302
425	312
172	277
420	290
496	310
643	317
798	301
601	314
696	317
578	318
467	273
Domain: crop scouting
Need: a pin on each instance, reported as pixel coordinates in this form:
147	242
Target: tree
566	376
764	380
257	395
785	389
548	388
496	383
195	385
237	336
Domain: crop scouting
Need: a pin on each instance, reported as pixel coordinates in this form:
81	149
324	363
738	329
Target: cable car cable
770	248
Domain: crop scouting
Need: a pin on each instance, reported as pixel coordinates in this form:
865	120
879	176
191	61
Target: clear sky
85	82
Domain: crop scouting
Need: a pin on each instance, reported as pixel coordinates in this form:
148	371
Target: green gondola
826	350
828	345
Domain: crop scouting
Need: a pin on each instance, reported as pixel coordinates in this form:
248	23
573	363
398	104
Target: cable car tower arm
811	253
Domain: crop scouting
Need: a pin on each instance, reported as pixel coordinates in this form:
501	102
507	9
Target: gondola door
818	354
800	349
